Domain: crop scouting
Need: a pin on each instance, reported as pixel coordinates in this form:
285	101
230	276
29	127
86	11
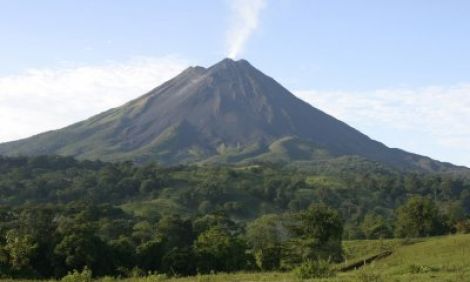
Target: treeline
364	193
50	241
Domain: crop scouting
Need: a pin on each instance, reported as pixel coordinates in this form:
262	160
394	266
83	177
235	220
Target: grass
358	250
435	257
431	259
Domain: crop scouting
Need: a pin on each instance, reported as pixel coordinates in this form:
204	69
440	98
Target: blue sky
396	70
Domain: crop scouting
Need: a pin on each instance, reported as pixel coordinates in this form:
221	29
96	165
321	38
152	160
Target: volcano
228	113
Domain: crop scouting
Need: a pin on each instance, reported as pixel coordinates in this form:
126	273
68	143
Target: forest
58	214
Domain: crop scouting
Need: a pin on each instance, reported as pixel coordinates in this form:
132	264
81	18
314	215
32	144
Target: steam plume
244	22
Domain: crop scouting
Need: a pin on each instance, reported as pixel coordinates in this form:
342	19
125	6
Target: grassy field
435	259
432	259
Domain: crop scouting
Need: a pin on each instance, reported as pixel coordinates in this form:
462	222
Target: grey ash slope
230	112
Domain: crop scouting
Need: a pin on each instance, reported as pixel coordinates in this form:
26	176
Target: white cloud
244	22
429	120
44	99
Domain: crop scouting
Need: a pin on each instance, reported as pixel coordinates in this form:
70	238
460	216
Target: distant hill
229	113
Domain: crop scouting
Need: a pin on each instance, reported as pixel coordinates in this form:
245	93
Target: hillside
354	187
432	259
438	258
227	113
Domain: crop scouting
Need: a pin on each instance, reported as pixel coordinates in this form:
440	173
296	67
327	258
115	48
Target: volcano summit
230	112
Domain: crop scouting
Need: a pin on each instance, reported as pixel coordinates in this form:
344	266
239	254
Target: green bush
76	276
314	269
416	268
364	275
463	226
153	277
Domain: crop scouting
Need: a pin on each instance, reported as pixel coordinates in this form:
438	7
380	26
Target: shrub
76	276
108	279
463	226
368	276
314	269
415	269
153	277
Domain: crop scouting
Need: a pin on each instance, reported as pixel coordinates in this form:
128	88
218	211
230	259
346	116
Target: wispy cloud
244	22
429	120
44	99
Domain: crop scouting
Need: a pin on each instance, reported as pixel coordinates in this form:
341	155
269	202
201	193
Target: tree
374	226
123	254
38	224
79	247
149	255
217	250
318	232
176	236
208	221
143	231
419	217
20	249
175	231
179	261
4	262
266	235
453	213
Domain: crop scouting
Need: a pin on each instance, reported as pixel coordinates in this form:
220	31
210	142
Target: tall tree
374	226
218	250
318	235
419	217
266	235
20	249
